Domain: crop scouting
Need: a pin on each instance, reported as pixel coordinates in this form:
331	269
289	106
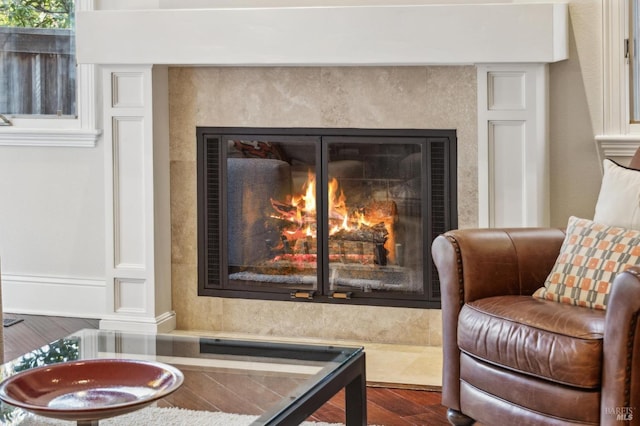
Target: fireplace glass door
272	203
373	214
343	217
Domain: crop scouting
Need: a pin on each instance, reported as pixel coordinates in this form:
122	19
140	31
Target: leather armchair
512	359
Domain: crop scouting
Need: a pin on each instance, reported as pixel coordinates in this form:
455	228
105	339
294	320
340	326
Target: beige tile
405	365
271	318
193	312
373	96
182	114
258	97
375	324
183	212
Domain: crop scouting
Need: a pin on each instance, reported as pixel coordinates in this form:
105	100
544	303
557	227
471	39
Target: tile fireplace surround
478	68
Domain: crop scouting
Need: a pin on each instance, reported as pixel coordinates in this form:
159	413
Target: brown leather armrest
478	263
621	375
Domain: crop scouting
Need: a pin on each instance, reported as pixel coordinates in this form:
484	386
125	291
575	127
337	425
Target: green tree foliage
36	13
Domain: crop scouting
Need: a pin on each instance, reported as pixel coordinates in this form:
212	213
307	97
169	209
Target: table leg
355	399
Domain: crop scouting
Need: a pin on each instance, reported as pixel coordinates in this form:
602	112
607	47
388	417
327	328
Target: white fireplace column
136	144
513	147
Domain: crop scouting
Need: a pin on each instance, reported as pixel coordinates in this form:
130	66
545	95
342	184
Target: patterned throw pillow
590	257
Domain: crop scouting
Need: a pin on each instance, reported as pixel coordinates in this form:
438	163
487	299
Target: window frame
632	57
615	72
619	138
81	131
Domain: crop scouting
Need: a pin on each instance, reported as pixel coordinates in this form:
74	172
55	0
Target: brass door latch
302	294
341	295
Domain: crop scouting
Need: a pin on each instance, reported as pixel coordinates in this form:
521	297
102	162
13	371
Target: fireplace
326	215
481	69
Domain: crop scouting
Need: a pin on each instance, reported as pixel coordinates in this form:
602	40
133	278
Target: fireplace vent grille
213	216
438	198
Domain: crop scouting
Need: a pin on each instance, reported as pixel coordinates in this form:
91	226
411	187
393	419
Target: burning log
350	229
286	211
374	234
305	260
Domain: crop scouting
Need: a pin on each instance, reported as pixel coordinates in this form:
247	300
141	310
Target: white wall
576	116
52	231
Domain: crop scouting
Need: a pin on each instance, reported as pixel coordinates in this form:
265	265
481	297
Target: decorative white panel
506	91
513	150
138	243
130	296
127	90
129	194
507	154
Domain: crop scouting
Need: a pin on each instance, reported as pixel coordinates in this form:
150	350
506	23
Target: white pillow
619	200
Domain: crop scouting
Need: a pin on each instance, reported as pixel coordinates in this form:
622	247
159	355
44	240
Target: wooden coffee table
281	383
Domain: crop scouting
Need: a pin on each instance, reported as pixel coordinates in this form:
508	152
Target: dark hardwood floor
35	331
385	406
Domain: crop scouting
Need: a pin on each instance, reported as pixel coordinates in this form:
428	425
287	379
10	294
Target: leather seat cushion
541	338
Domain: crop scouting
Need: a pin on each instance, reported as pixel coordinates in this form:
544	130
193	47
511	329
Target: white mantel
334	35
510	44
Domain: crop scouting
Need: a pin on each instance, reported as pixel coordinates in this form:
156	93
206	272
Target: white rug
165	417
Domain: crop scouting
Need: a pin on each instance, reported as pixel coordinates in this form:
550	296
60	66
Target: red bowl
91	389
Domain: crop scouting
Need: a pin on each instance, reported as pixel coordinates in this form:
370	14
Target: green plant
36	13
59	351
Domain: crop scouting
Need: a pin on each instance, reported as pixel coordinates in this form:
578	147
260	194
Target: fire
305	207
345	223
340	218
306	202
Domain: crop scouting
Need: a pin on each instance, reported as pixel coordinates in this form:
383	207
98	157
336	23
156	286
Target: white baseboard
53	296
163	323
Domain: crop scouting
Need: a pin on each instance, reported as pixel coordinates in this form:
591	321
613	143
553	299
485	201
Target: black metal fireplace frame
212	222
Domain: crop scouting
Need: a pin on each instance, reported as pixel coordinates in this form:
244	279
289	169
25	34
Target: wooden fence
37	71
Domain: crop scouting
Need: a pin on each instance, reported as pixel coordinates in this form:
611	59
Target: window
634	60
620	135
37	57
69	115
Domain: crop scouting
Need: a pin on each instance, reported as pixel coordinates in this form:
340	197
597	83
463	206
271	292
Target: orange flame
341	217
